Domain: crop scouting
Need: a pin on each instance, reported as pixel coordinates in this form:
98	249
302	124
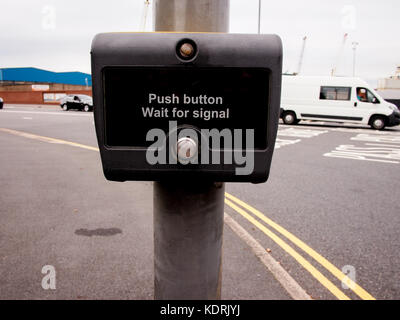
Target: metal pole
355	44
301	56
188	216
259	16
144	15
191	16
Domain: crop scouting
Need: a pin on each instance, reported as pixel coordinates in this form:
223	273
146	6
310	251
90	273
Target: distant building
389	88
391	83
37	86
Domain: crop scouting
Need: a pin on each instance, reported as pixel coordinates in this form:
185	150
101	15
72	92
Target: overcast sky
57	34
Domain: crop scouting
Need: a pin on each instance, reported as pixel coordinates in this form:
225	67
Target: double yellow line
240	207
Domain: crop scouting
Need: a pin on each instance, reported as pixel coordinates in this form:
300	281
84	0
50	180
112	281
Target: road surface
331	207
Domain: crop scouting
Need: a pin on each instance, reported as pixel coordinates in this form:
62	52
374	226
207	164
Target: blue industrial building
43	76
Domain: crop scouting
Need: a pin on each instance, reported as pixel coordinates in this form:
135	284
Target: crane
339	55
301	56
144	15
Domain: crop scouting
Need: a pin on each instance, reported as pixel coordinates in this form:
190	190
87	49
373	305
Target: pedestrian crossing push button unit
186	106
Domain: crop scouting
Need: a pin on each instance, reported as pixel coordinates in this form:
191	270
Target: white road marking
382	145
55	113
282	142
300	133
295	132
377	138
355	130
280	274
27	118
344	129
386	148
352	156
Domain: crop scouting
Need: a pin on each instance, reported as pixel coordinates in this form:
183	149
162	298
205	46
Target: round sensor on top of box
186	50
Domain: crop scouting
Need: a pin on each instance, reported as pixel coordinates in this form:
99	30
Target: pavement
330	208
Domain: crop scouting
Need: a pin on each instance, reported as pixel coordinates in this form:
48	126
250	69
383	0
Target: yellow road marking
306	265
284	278
363	294
47	139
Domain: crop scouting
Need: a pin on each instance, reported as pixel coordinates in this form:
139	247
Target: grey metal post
354	44
259	16
188	217
191	16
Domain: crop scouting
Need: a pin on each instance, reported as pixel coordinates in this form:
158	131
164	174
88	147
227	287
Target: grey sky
56	34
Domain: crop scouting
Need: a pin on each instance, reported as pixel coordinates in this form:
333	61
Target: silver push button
186	150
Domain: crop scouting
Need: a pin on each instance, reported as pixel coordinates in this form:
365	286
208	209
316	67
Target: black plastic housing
244	70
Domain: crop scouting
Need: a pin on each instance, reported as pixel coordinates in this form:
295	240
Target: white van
338	99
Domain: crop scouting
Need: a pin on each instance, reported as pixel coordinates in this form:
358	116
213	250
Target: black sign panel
138	99
186	106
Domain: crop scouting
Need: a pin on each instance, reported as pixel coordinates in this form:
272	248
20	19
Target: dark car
1	103
77	101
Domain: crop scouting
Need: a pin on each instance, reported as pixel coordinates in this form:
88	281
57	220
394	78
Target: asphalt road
336	188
